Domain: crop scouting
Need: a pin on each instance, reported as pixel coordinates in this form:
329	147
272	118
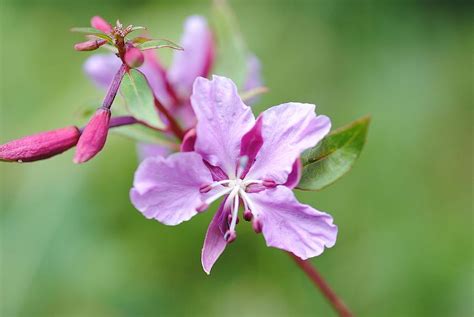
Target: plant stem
114	87
173	126
323	286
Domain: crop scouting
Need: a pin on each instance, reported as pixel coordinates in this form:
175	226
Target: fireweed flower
173	86
250	163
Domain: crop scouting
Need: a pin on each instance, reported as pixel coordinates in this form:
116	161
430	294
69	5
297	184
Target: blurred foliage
72	244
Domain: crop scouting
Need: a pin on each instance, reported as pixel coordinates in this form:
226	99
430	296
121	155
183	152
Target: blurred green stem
323	286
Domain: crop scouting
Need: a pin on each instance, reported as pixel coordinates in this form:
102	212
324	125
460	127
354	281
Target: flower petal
214	243
167	189
146	150
254	76
101	68
197	57
292	226
288	130
156	76
223	119
295	176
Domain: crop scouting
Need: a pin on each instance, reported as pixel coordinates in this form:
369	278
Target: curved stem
323	286
172	124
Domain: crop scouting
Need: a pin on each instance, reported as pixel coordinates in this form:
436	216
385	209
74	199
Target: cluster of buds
89	140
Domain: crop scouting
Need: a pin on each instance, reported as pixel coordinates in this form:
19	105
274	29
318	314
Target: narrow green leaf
334	156
232	52
103	36
87	30
160	43
139	98
137	28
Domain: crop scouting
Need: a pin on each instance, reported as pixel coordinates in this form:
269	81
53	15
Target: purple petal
196	58
156	76
292	226
254	76
146	150
223	119
167	189
288	130
101	68
295	175
188	141
252	141
214	243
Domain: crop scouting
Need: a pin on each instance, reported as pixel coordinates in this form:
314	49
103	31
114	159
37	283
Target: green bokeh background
72	244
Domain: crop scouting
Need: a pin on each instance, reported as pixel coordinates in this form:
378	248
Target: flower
40	146
251	163
173	86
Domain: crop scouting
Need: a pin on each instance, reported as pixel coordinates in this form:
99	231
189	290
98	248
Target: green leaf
139	98
93	32
334	156
137	28
141	133
232	52
160	43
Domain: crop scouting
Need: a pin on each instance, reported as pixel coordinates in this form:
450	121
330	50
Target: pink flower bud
134	57
40	146
89	45
100	24
93	137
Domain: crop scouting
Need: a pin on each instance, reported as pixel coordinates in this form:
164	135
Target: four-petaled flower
252	163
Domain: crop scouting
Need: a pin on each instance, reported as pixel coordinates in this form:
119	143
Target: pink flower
93	137
251	163
40	146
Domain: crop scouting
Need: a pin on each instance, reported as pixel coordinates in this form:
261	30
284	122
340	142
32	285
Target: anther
248	215
230	236
202	208
269	183
205	189
257	225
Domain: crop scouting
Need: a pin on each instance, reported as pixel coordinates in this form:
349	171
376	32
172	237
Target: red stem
323	286
114	87
173	126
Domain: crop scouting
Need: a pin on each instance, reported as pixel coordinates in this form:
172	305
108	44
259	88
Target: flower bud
89	45
93	137
100	24
40	146
134	57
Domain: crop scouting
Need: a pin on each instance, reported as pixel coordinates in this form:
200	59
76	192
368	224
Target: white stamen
235	211
216	196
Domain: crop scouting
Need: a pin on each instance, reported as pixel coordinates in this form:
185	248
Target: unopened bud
134	57
89	45
257	225
93	137
248	215
40	146
230	236
100	24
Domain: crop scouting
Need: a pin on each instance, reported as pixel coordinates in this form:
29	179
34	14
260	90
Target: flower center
237	191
